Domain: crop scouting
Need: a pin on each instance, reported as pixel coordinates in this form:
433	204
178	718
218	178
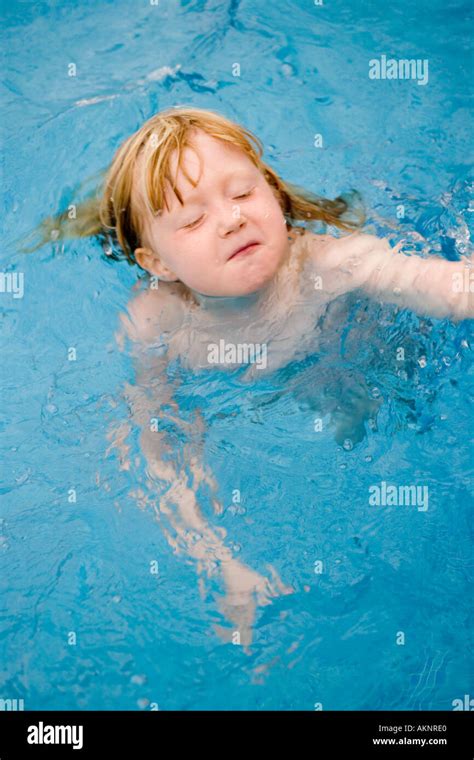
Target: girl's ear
149	261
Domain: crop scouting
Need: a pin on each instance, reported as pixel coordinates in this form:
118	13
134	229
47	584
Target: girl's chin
243	284
255	286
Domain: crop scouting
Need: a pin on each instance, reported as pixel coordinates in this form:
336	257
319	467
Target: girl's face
231	206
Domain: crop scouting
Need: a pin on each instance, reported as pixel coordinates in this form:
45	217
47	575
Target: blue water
85	624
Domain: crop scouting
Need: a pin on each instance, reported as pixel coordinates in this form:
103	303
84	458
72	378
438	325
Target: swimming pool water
85	624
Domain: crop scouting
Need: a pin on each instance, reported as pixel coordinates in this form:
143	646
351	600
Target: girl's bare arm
432	286
153	408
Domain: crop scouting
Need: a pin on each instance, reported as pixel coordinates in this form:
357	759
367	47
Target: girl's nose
230	220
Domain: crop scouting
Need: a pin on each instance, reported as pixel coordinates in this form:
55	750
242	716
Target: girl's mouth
244	251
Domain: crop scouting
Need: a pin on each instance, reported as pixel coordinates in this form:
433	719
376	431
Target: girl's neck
233	303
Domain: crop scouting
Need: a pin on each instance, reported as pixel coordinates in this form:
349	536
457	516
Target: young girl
232	280
189	199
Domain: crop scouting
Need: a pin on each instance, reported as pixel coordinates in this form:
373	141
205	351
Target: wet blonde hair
116	215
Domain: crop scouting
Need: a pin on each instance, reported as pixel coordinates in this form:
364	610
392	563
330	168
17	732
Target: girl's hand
245	590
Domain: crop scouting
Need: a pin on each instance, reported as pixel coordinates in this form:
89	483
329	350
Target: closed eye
244	195
192	224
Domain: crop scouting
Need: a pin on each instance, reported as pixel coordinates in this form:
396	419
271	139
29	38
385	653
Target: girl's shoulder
154	310
309	246
328	251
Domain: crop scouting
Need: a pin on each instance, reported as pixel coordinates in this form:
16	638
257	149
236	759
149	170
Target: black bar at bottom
62	734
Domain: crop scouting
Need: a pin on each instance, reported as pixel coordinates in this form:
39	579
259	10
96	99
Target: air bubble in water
347	445
288	70
138	679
